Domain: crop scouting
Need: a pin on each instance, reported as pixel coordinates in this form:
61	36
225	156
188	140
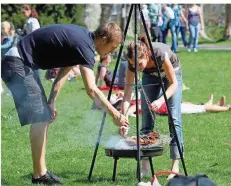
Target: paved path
211	47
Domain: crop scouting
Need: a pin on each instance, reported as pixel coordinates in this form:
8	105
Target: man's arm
58	83
127	92
95	94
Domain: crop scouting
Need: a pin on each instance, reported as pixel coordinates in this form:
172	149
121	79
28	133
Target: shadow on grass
27	177
122	178
4	182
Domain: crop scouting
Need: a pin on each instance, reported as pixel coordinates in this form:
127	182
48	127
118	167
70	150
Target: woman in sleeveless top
170	69
194	15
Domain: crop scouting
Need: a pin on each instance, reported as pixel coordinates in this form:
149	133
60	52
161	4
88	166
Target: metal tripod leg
109	95
114	168
172	126
151	166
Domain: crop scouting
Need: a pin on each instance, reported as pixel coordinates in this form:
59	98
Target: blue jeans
183	35
193	37
153	93
174	32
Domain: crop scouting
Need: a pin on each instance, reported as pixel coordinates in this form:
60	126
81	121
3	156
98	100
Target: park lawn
73	135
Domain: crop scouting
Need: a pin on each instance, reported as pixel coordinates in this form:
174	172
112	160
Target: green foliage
215	32
48	14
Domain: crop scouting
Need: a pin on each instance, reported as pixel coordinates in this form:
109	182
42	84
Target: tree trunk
227	32
92	16
105	13
202	32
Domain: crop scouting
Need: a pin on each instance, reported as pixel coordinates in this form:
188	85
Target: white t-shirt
192	108
169	13
31	25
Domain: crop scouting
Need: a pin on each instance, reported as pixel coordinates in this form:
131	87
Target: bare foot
221	102
210	101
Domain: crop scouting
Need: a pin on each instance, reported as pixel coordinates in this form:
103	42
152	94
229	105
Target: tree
48	14
227	32
202	32
105	13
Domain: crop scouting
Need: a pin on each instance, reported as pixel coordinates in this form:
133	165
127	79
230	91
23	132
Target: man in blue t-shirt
56	46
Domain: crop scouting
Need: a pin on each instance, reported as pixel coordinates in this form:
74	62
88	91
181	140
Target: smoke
88	130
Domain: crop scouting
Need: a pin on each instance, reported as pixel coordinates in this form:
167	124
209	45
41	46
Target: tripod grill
138	153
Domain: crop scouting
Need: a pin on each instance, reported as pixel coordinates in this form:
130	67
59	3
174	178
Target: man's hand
121	120
53	112
123	130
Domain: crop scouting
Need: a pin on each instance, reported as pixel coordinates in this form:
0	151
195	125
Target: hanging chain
153	115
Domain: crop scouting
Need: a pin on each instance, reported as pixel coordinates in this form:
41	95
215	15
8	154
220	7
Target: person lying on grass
186	107
56	46
191	108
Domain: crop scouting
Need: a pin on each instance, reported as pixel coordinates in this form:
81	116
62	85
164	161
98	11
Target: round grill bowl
147	152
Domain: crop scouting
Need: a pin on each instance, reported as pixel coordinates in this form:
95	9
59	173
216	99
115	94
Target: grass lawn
72	136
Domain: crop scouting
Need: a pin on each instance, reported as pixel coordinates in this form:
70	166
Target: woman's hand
53	112
155	105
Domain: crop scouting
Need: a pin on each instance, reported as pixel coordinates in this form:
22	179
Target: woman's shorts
191	108
27	90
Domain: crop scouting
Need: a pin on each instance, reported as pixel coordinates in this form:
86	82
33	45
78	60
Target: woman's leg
216	108
221	102
195	41
210	101
174	39
183	35
175	110
191	36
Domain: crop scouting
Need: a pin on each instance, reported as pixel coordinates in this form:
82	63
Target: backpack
197	180
181	180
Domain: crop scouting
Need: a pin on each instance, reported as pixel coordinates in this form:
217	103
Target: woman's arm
182	13
127	92
201	18
170	73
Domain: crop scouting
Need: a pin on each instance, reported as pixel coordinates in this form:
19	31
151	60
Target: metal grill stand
138	154
144	154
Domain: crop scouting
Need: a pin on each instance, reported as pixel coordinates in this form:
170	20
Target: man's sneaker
189	50
48	179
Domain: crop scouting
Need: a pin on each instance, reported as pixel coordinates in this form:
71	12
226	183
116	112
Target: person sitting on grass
104	75
55	46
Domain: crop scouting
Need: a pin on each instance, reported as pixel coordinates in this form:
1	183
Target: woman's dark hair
34	13
142	47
